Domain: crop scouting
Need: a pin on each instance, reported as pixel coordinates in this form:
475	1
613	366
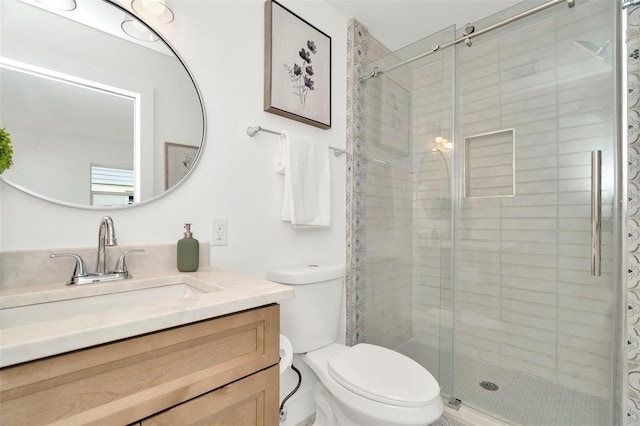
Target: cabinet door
247	402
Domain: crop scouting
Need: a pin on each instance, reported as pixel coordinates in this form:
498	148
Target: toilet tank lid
306	274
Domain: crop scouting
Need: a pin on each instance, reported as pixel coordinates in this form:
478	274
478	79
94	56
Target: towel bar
252	131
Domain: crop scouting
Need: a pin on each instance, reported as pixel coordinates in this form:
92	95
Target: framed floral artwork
178	160
297	78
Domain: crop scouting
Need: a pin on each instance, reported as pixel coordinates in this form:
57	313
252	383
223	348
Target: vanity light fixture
155	11
136	29
62	5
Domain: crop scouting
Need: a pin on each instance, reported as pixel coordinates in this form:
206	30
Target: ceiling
398	23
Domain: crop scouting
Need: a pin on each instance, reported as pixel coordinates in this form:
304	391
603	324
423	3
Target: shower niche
489	164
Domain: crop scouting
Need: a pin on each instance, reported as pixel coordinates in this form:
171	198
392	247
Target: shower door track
466	38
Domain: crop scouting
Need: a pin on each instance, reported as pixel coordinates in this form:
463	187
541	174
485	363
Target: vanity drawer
128	380
247	402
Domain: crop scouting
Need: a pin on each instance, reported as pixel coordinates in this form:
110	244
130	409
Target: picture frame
178	159
297	77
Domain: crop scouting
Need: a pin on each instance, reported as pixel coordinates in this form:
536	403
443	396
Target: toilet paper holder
286	353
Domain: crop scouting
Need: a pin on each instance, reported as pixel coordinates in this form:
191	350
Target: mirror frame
195	160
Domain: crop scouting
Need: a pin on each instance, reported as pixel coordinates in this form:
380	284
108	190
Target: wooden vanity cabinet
221	371
249	401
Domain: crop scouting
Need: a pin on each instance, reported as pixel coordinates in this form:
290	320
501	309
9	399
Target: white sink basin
48	320
89	299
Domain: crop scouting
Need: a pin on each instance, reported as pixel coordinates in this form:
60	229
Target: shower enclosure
483	158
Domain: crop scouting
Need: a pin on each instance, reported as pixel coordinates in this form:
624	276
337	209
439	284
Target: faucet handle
121	266
78	271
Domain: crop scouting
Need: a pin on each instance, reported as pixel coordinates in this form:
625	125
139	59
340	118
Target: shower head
599	51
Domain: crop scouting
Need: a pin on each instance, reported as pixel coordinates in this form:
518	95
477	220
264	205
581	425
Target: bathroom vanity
213	357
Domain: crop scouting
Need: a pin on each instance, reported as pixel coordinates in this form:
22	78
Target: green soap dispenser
188	251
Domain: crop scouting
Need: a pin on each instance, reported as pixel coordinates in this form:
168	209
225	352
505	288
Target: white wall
223	43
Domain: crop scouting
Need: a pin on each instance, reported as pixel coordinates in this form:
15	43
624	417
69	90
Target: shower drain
490	386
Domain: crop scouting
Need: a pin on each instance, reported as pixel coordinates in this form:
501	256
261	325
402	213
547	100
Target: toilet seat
383	375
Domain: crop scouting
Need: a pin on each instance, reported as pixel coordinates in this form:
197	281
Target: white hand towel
307	181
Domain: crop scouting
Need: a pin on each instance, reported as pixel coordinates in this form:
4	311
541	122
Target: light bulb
138	30
154	7
153	10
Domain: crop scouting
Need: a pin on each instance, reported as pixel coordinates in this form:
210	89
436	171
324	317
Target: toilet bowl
365	384
371	385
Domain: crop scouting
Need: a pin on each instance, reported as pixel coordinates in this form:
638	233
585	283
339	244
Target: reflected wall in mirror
89	108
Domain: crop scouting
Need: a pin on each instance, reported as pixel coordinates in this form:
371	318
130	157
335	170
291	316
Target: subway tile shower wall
526	300
387	295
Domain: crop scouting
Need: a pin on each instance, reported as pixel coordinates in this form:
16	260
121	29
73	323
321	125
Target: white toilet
364	385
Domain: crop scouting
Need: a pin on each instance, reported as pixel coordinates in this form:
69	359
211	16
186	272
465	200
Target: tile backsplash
35	267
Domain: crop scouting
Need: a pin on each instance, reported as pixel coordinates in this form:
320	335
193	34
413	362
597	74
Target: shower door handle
596	211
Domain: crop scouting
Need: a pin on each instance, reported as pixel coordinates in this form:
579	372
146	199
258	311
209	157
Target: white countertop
234	292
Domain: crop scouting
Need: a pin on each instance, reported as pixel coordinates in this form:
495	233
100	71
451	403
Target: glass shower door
408	127
534	329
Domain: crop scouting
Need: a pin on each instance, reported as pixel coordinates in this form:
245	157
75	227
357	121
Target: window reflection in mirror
111	186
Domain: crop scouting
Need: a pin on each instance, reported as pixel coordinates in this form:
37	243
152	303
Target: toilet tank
311	319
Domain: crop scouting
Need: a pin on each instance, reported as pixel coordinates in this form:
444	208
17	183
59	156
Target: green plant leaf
6	151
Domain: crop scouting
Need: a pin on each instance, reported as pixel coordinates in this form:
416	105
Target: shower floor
521	398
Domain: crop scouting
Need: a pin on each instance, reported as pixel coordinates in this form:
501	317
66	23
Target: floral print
301	74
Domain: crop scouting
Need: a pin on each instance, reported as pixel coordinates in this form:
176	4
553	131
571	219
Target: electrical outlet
219	232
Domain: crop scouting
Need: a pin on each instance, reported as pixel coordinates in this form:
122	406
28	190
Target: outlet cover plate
219	232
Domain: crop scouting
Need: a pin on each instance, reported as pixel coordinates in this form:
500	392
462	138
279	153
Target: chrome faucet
106	237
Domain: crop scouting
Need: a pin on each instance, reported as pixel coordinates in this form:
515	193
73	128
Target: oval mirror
100	109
